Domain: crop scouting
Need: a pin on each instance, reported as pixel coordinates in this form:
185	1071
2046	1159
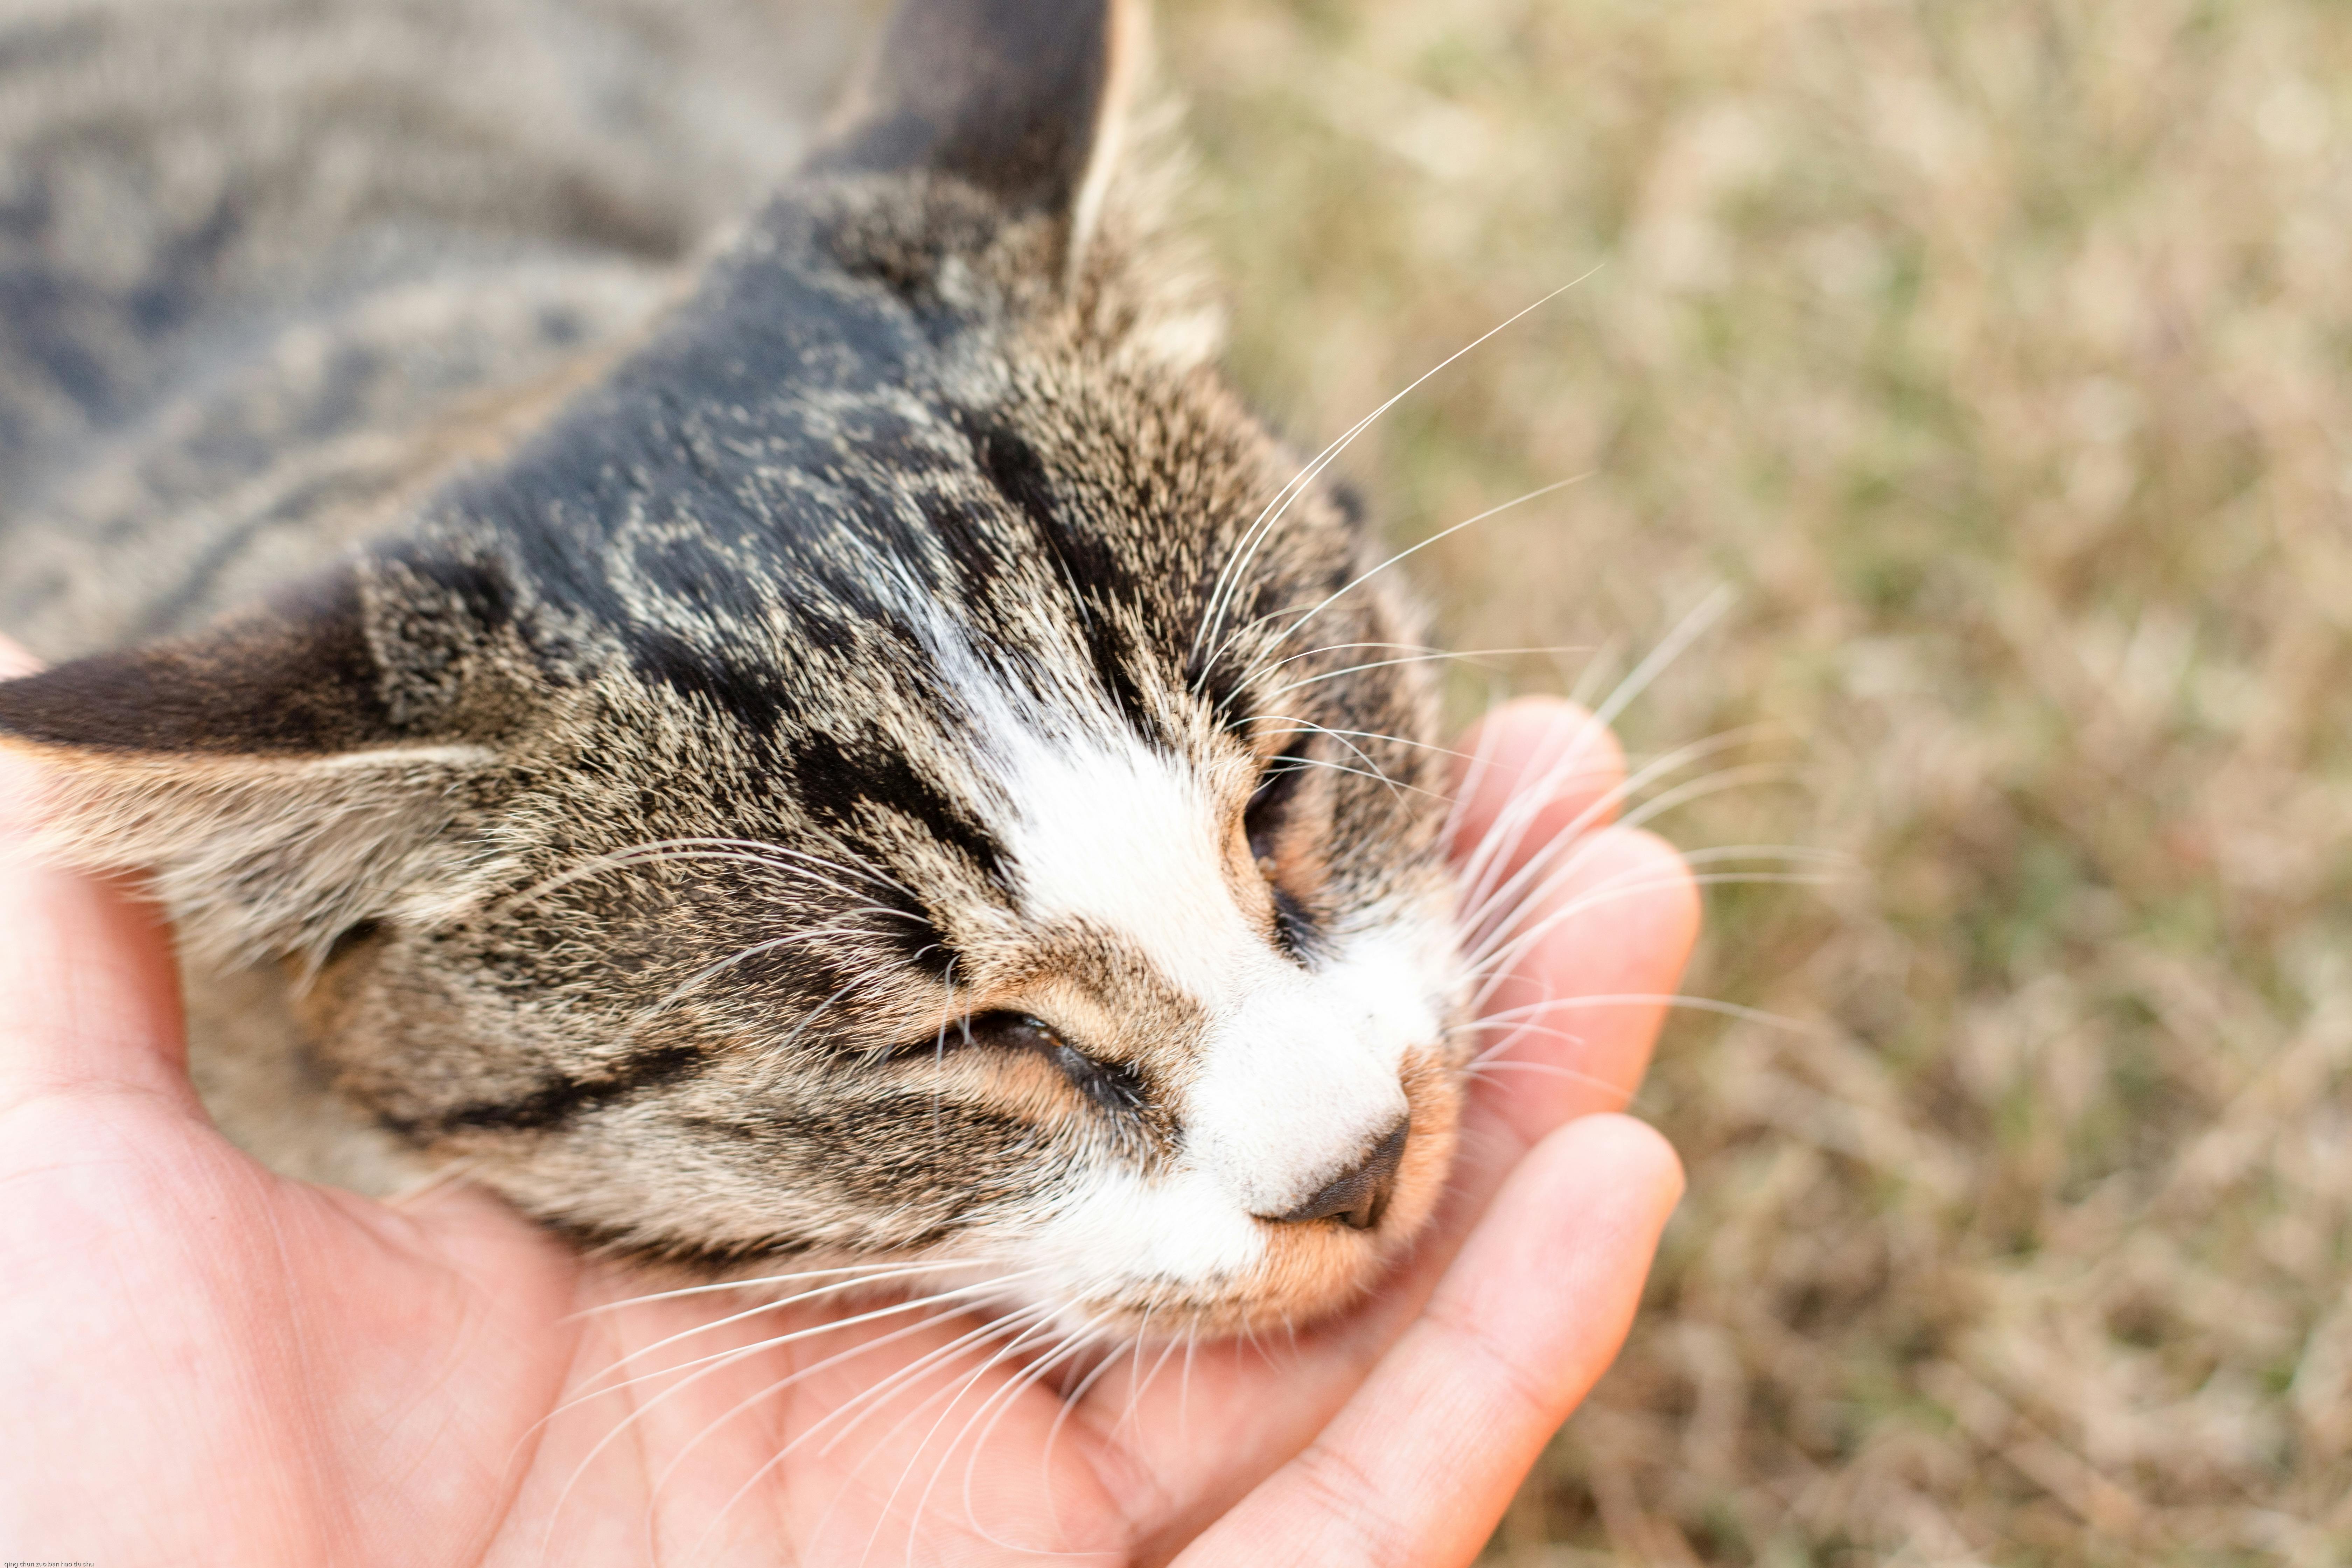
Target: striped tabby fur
856	749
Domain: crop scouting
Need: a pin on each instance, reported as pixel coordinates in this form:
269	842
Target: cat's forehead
819	480
899	568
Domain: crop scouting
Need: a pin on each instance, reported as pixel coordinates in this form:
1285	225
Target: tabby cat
857	747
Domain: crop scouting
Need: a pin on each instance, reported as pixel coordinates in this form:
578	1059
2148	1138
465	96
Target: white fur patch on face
1117	1229
1112	834
1298	1071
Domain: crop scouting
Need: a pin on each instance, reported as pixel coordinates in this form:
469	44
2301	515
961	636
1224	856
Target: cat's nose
1358	1197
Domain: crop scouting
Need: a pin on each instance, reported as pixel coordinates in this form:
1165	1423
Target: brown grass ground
1996	357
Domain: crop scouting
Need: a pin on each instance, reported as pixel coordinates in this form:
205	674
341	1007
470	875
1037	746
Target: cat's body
268	267
858	750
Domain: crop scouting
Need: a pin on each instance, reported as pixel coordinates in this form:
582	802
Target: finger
1580	979
16	776
92	998
1530	770
1417	1468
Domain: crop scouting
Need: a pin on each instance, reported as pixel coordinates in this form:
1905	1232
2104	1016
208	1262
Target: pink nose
1358	1196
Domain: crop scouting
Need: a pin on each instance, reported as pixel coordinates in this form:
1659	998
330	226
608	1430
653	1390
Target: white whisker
1497	966
1004	1399
745	851
781	1383
1292	630
866	1401
1591	1080
1356	735
712	1365
794	1299
1649	999
1503	838
761	1281
1484	898
907	1471
1071	1402
1229	576
1377	771
1406	648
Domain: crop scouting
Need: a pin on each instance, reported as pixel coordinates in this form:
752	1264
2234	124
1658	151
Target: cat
860	749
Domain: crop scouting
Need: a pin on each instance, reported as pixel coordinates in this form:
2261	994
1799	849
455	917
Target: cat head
907	767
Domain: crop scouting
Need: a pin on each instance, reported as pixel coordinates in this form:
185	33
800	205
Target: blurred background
1968	383
1994	357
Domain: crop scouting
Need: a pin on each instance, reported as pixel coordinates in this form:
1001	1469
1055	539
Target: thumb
89	997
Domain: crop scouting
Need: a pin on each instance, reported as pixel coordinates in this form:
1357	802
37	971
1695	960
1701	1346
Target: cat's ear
279	784
1026	99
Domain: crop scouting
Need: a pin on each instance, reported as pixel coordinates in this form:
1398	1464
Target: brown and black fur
578	549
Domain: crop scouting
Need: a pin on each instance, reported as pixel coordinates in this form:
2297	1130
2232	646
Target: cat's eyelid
1113	1085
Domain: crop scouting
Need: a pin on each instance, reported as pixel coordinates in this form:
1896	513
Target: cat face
904	768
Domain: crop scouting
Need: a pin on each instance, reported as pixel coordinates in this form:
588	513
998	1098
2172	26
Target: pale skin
203	1361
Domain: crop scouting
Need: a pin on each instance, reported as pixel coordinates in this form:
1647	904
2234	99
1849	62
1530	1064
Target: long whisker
1358	669
1563	859
1363	755
1590	1080
1496	918
1004	1400
866	1406
794	1299
1229	575
646	1015
710	1365
773	857
1356	735
759	1283
1473	782
1137	1391
1071	1400
863	1273
1504	837
1647	999
1499	965
866	1401
1379	778
1402	648
1518	819
1702	617
882	1515
1519	816
1292	630
778	1386
717	1359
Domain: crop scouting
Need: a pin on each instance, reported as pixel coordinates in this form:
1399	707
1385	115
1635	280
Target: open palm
203	1362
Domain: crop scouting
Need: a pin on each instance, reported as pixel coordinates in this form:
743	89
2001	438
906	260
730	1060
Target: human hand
204	1361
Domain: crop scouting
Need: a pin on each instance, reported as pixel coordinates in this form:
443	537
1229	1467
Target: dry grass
1995	356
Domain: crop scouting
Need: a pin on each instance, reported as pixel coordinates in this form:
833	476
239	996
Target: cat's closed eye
1112	1086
